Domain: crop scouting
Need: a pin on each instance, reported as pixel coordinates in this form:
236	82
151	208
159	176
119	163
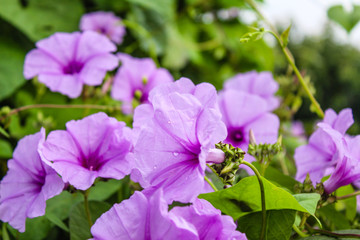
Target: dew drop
155	167
169	122
175	154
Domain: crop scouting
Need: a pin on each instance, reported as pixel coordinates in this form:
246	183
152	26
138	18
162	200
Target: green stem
332	234
299	232
63	106
349	195
87	209
262	190
288	56
211	184
319	111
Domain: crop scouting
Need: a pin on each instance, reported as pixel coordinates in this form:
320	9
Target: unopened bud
215	156
252	139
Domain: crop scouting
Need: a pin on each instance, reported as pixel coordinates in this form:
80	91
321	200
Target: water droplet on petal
175	154
155	167
169	122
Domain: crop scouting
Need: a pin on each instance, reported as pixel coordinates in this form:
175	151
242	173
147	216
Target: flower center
73	67
92	163
236	135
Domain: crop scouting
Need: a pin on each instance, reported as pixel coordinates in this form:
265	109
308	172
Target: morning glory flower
135	78
208	221
64	62
176	130
28	183
347	168
96	146
316	158
140	218
145	217
261	84
242	111
105	23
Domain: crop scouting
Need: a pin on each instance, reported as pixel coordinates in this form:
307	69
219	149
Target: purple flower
176	130
64	62
347	169
316	158
208	221
105	23
141	218
261	84
243	111
96	146
28	184
137	76
145	217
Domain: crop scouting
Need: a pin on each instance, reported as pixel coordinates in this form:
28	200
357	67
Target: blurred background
198	39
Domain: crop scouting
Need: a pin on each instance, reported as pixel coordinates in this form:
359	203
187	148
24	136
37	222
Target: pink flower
261	84
145	217
176	131
28	184
317	157
105	23
64	62
96	146
242	112
137	76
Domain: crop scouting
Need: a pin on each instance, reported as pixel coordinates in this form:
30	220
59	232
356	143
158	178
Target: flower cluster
245	104
330	152
176	132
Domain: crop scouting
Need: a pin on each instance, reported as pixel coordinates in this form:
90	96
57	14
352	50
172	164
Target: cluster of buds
226	170
264	153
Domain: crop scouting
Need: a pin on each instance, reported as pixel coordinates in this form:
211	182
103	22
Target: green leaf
166	8
331	216
285	36
41	18
61	204
278	224
4	133
5	149
278	177
244	198
348	204
11	64
79	226
348	20
35	229
57	221
5	235
103	190
309	201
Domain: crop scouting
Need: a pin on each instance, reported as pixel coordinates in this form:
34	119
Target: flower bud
215	156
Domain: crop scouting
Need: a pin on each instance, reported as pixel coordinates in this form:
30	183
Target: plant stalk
263	204
87	209
62	106
210	183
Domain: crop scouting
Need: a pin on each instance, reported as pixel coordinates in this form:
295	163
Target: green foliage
338	237
285	36
279	224
277	177
79	226
41	18
348	20
244	198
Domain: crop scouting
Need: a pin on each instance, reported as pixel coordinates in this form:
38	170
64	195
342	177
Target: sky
308	17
